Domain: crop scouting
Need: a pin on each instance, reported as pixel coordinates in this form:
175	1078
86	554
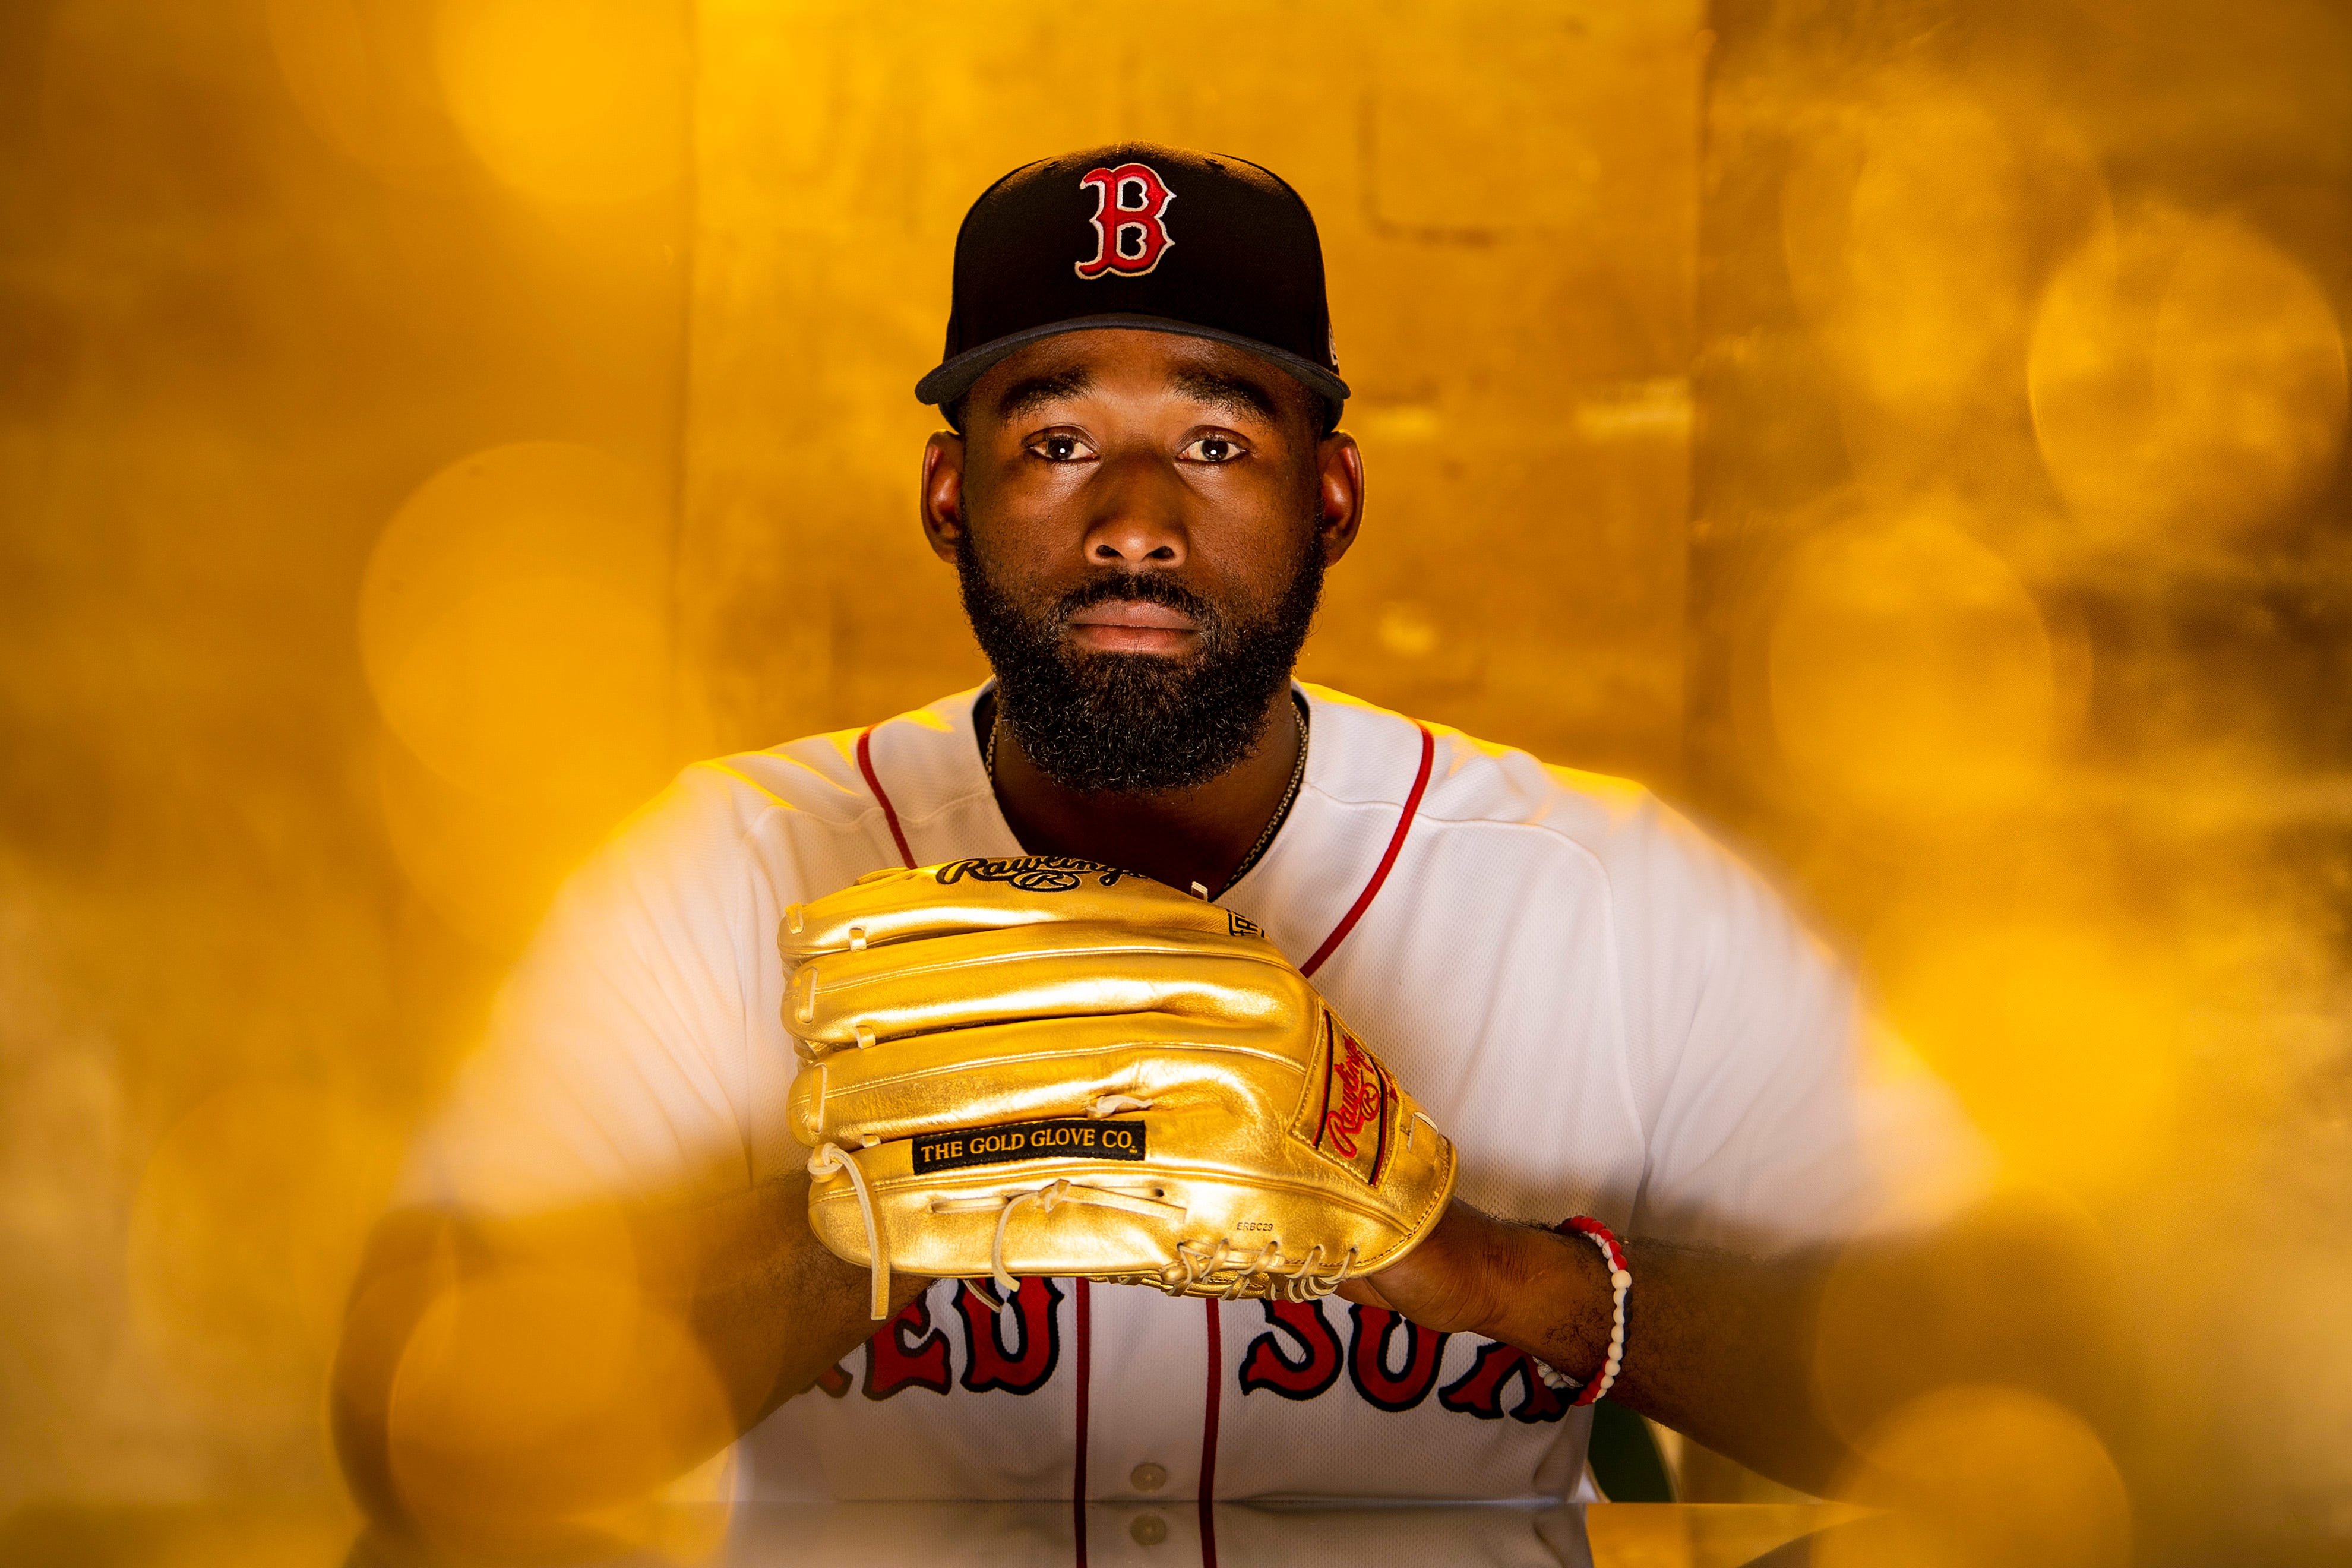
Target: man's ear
1340	493
942	498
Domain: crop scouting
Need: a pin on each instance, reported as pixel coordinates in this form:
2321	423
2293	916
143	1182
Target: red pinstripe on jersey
1209	1437
1339	932
1078	1468
1380	872
889	812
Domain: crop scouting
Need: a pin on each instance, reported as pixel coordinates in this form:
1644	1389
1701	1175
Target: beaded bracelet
1621	1279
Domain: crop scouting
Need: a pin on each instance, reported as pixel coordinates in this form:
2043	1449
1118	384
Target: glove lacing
1049	1197
833	1157
1198	1260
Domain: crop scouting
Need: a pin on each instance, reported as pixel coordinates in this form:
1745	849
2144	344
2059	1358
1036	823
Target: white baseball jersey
1607	1012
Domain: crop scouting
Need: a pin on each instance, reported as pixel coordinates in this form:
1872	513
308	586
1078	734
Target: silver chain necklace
1281	812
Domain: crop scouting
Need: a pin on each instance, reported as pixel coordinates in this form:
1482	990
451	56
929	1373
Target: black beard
1125	722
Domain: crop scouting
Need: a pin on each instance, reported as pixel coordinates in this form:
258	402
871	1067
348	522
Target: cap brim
952	379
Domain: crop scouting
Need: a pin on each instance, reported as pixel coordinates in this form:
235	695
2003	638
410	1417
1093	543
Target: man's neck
1181	836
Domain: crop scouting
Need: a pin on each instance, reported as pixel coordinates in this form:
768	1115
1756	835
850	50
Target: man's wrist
1555	1303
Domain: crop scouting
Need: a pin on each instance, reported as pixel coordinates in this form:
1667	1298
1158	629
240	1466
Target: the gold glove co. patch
1028	1141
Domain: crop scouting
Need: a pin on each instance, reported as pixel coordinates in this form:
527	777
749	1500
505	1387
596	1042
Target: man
1141	490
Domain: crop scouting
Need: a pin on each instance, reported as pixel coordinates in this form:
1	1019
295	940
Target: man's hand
1729	1350
1477	1274
1717	1347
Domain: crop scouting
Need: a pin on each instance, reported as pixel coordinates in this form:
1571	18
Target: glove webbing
1197	1261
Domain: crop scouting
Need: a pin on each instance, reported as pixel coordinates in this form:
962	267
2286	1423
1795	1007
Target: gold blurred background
1910	435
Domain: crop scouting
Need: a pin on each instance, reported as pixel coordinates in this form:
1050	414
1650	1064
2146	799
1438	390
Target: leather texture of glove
1050	1067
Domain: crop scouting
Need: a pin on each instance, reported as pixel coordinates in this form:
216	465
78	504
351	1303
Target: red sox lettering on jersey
1299	1356
1130	236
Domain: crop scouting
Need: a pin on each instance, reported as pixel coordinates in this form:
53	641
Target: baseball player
1215	1087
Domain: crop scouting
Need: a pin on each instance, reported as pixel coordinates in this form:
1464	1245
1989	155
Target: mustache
1143	587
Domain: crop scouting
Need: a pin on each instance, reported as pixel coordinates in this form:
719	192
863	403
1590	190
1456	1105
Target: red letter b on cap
1115	220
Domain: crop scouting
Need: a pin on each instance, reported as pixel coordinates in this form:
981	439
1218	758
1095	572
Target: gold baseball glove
1046	1065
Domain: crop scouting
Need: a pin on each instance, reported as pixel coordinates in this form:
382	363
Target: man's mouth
1132	626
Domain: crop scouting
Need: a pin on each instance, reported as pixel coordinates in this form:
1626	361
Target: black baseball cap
1140	236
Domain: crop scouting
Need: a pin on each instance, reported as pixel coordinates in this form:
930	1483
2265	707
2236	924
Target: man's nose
1137	518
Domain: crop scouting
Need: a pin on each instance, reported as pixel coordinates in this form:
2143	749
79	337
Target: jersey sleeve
618	1057
1778	1111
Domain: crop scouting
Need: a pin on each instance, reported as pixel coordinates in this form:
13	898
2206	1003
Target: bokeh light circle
558	1354
484	867
513	622
514	625
1981	1476
362	74
1933	252
1913	220
571	100
246	1232
2059	1034
1909	670
2187	377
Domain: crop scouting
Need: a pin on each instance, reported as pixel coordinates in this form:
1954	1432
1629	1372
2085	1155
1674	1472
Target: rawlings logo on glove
1032	873
1352	1100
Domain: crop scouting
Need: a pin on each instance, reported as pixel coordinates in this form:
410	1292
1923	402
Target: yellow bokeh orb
571	100
1981	1476
1909	671
551	1389
362	72
484	866
1911	221
2187	378
2061	1035
1933	252
513	624
245	1234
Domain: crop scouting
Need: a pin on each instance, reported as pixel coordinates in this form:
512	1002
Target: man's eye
1060	448
1212	449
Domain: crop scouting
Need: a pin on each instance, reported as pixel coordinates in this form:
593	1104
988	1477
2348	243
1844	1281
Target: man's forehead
1074	365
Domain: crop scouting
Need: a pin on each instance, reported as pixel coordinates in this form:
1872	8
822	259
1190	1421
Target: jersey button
1149	1530
1148	1477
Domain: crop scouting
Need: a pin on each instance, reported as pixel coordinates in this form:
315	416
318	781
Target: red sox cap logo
1116	220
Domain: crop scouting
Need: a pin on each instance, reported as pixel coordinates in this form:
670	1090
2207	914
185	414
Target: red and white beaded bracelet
1621	1279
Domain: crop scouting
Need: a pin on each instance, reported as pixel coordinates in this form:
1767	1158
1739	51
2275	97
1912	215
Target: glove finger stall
1007	1072
895	905
957	981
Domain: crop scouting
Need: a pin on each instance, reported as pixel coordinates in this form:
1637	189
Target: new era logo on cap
1130	236
1038	249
